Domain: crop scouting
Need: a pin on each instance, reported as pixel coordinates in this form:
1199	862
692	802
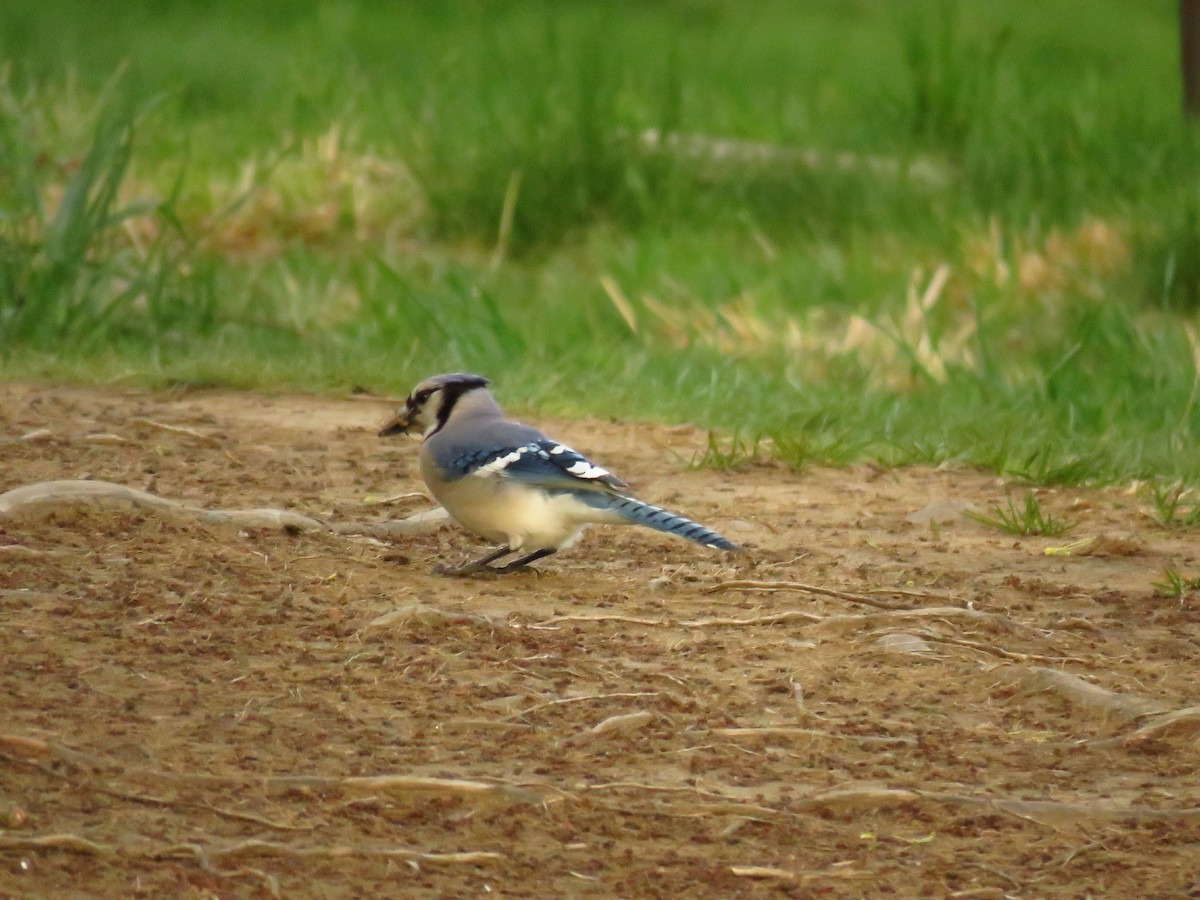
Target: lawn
830	231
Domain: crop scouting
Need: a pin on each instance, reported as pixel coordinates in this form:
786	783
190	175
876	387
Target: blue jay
510	484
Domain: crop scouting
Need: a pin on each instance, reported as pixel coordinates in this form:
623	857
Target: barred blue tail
663	520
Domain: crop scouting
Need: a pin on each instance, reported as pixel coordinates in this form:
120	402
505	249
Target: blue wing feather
549	465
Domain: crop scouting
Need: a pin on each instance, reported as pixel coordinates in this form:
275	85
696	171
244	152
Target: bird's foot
512	567
463	571
475	567
483	567
518	565
480	570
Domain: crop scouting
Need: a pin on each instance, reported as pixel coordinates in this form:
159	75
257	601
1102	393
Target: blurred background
830	231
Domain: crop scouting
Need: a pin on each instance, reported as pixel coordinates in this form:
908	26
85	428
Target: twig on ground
1044	812
209	439
993	620
250	817
412	785
563	701
270	848
999	873
847	622
432	615
689	789
717	803
397	498
628	620
192	804
481	724
36	747
788	731
1079	851
748	585
746	811
762	872
1000	651
507	794
17	551
769	619
856	797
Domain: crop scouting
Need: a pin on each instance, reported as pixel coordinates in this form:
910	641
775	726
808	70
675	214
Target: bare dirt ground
199	708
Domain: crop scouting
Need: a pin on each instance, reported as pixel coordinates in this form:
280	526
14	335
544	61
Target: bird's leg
480	565
521	563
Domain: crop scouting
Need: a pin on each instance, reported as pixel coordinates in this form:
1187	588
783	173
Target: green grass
726	454
1026	520
1174	585
909	233
1175	505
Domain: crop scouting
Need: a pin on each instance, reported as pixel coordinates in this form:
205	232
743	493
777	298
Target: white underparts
523	517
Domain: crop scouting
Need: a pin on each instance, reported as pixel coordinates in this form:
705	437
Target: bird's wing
547	464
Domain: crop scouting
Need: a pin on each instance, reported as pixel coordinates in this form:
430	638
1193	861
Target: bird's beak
400	423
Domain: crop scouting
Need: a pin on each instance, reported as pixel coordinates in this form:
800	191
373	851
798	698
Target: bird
511	484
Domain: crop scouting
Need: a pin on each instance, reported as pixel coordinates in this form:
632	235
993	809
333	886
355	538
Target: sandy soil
197	708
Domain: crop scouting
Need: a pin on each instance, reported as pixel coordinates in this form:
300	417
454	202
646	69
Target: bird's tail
639	513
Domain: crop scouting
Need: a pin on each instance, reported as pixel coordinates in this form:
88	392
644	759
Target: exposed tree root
858	798
1081	693
502	793
36	747
76	491
1048	812
743	803
1169	724
1176	723
80	491
790	615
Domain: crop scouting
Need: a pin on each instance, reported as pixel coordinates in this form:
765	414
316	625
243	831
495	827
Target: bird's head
429	405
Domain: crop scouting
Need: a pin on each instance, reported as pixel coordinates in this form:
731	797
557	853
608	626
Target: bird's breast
524	518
